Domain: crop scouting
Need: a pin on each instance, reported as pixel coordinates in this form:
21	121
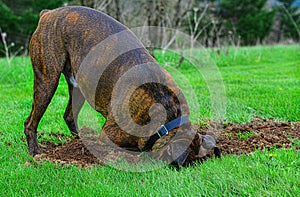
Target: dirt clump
72	152
258	134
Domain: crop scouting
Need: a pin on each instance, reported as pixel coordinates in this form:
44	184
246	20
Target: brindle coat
62	40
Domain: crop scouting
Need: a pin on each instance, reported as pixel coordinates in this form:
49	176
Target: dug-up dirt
232	138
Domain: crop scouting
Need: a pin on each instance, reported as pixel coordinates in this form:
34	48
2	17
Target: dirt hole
232	138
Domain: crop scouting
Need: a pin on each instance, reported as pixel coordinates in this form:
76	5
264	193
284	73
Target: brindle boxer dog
61	42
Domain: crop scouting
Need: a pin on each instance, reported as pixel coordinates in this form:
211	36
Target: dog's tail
43	12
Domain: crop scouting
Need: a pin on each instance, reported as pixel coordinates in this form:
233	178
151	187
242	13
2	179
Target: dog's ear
178	155
176	152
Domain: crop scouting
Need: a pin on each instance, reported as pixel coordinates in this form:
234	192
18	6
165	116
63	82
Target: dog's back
72	32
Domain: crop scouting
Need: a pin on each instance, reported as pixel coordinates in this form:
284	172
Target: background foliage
251	21
19	19
218	22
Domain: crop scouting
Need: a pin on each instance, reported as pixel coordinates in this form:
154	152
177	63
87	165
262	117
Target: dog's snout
208	143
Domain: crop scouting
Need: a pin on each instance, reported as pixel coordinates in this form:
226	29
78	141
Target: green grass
259	81
245	135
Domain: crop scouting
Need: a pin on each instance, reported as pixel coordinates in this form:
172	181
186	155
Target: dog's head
183	146
201	147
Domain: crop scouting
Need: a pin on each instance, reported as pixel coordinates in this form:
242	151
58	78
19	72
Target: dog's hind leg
48	59
46	80
75	103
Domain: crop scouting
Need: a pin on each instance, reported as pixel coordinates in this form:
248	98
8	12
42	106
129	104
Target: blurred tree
289	20
204	22
223	22
8	19
29	15
19	19
8	23
248	18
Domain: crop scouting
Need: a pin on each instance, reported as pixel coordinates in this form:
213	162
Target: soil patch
232	138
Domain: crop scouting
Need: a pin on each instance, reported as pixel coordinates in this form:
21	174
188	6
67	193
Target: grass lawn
259	81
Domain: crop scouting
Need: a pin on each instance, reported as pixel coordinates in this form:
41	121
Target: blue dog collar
164	130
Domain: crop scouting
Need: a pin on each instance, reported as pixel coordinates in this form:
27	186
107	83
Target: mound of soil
232	138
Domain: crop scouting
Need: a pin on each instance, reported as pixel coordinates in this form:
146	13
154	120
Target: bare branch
170	42
8	56
201	30
197	21
291	18
102	5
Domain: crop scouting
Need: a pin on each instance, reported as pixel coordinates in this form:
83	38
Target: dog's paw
33	145
35	150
